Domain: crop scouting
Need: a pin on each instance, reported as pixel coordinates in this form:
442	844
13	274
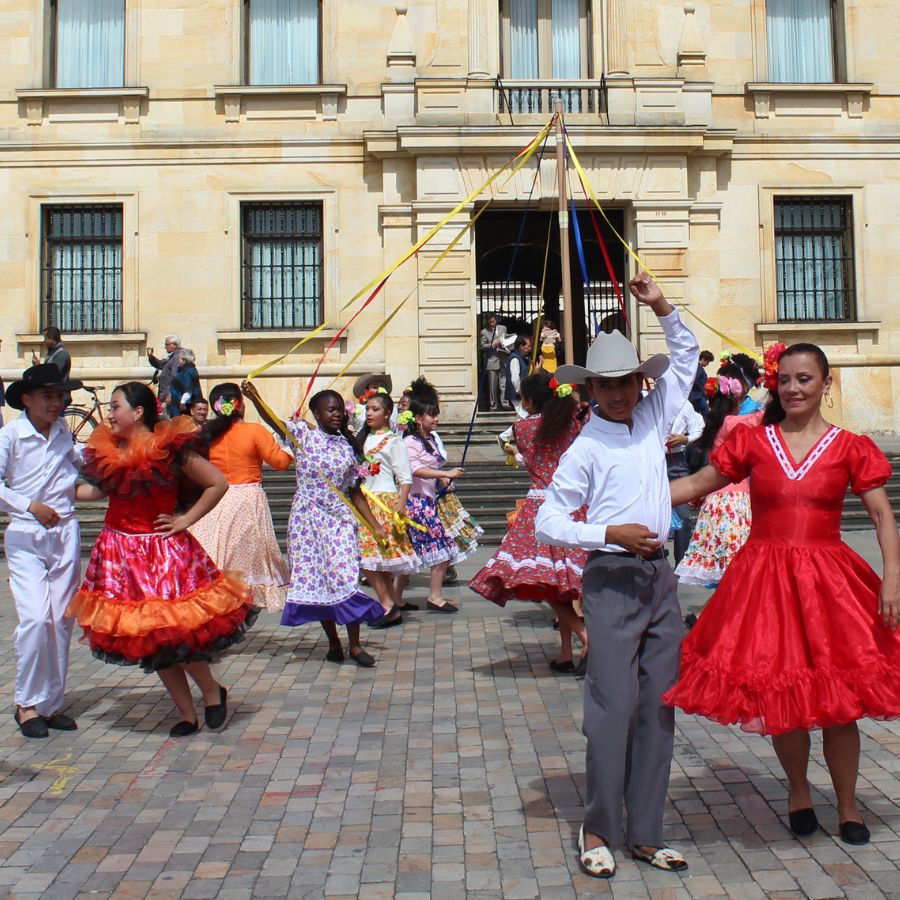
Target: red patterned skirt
155	601
525	569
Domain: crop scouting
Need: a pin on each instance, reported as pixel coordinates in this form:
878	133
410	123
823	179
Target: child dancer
549	339
38	466
724	520
387	477
151	595
617	468
323	548
238	534
377	382
524	568
434	547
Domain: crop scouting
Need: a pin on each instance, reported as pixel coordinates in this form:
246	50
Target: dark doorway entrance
509	271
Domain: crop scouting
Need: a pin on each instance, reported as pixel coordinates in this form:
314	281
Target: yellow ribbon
587	186
400	519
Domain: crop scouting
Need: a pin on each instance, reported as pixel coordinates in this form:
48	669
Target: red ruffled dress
523	568
147	599
793	637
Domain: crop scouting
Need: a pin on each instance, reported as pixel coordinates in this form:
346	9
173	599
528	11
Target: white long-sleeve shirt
688	422
33	467
620	472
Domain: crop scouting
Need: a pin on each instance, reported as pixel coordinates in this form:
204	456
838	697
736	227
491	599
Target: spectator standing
165	368
697	396
495	355
57	354
516	371
185	386
687	427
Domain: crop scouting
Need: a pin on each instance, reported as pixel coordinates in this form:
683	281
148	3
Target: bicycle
82	421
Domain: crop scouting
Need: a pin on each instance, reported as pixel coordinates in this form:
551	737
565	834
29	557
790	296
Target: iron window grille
814	259
81	268
281	265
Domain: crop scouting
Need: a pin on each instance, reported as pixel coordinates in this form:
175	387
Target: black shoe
60	722
409	607
362	659
184	728
451	576
854	833
388	619
564	668
32	728
803	822
581	668
215	715
335	654
445	608
690	620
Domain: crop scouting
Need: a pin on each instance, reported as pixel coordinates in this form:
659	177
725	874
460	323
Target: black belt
650	557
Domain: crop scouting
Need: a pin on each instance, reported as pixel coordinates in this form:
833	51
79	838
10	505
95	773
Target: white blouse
394	458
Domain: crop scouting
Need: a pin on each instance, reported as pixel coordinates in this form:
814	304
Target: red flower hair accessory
554	384
711	386
771	361
159	407
373	392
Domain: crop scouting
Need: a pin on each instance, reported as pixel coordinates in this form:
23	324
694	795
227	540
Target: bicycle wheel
80	422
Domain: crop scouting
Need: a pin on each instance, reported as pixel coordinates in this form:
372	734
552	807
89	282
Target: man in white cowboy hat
617	468
39	465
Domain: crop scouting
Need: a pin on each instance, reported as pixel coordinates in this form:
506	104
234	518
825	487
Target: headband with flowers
771	361
722	384
224	407
406	418
373	392
561	390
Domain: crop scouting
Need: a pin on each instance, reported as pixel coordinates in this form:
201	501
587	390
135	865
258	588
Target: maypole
568	338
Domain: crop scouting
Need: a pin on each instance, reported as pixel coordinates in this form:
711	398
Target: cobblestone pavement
453	769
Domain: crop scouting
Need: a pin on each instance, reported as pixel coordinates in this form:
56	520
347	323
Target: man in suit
495	356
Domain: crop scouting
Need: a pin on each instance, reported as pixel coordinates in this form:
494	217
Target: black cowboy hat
45	375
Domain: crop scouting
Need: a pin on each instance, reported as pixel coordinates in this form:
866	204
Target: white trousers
44	573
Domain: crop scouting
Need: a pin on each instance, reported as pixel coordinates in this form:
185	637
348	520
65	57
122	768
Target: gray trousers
634	630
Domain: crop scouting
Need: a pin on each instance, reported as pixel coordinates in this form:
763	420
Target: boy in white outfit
39	464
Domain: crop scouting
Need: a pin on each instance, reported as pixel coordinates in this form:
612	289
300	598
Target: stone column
478	38
616	38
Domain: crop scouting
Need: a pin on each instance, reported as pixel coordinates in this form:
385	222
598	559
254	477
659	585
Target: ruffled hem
356	608
171	649
101	613
398	565
135	466
538	579
698	575
810	698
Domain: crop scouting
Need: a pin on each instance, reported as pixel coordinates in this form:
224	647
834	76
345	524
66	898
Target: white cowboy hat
612	356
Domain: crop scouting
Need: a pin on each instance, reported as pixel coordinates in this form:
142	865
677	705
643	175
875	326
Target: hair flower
711	386
564	390
554	384
730	387
725	356
771	361
405	418
225	407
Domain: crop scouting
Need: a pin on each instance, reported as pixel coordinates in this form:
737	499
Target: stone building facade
234	171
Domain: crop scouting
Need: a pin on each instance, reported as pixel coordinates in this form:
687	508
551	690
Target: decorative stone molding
691	50
798	99
617	37
102	104
478	39
235	343
282	101
401	55
865	334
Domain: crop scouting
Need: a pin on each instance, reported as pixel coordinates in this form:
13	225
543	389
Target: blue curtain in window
801	41
566	39
523	38
90	43
284	41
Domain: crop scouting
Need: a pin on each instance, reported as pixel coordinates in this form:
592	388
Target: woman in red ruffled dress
151	596
523	568
801	633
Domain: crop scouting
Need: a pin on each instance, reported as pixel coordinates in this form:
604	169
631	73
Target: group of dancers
188	554
800	633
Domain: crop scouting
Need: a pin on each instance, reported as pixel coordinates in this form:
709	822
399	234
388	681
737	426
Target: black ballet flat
335	654
803	822
60	722
581	668
215	715
362	659
32	728
854	833
184	728
564	668
388	619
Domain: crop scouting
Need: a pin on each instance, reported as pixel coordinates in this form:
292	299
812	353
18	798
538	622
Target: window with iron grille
281	265
814	265
81	268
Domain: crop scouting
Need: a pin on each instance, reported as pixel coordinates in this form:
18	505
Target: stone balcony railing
539	97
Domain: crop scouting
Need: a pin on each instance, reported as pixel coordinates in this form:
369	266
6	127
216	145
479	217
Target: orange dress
238	534
147	599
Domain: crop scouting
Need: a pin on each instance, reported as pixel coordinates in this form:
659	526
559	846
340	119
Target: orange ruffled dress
147	599
793	638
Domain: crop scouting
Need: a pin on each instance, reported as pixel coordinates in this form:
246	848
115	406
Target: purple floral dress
323	548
